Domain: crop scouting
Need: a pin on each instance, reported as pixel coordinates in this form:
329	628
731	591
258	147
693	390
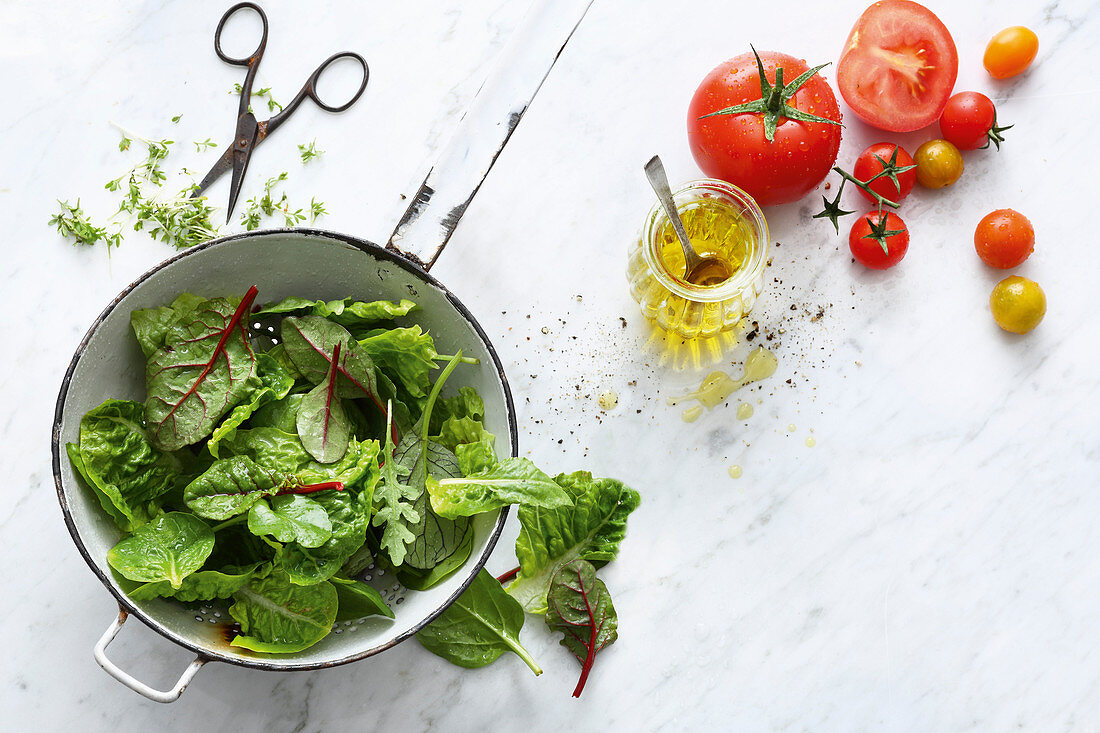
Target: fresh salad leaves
580	607
276	480
477	628
591	529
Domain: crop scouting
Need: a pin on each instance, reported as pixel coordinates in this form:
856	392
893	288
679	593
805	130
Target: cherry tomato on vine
874	160
939	164
776	140
1004	239
879	240
969	122
898	66
1010	52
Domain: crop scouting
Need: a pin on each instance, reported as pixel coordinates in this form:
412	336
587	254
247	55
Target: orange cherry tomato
1004	239
1010	52
939	164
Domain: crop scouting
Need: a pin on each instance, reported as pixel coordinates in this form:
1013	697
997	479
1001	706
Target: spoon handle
655	172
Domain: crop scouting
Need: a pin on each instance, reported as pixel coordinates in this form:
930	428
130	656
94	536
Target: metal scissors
251	133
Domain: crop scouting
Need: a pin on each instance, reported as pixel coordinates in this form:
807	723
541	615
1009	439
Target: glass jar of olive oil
722	222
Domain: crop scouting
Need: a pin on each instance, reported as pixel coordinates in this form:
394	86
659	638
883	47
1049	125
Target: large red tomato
771	143
898	67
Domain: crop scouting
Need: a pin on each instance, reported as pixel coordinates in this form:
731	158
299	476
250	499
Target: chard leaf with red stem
580	607
205	367
323	426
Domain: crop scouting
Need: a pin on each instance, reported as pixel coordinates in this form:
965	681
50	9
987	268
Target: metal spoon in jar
698	270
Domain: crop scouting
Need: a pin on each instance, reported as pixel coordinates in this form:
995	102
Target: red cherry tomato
735	147
1004	239
870	164
898	66
879	240
969	121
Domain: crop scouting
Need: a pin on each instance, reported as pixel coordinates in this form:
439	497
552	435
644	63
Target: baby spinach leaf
591	528
580	607
323	426
424	579
348	516
393	501
274	383
407	353
122	465
511	481
278	617
291	518
477	628
205	367
281	414
230	487
151	325
168	548
201	585
346	312
310	343
357	599
360	560
284	453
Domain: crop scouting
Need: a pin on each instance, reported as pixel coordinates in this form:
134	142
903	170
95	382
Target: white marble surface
930	565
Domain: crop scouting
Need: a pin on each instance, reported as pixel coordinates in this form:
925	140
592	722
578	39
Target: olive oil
717	231
718	386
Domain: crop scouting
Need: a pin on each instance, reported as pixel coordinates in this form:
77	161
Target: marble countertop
931	564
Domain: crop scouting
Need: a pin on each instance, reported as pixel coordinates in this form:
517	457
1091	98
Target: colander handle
133	683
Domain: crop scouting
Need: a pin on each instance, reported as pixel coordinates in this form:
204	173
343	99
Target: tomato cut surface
898	66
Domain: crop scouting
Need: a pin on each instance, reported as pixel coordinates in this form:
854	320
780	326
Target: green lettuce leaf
231	486
151	325
279	617
283	452
477	628
591	529
204	369
201	585
274	383
407	353
291	518
511	481
346	312
168	548
117	459
357	600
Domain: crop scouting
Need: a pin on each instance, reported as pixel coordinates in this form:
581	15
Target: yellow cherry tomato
1010	52
1018	304
939	164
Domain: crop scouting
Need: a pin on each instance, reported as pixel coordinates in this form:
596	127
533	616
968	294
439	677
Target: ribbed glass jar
673	303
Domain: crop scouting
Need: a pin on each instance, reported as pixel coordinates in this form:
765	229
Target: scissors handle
309	90
253	60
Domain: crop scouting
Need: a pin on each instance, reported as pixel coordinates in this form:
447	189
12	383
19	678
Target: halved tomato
898	67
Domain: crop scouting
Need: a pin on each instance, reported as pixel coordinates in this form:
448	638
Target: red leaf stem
313	488
591	644
508	575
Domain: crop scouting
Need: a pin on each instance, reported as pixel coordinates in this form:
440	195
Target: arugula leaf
201	585
477	628
231	486
580	607
205	367
590	529
414	579
393	499
357	599
117	459
435	538
348	516
169	548
274	383
151	325
511	481
346	312
278	617
291	518
323	426
408	353
283	452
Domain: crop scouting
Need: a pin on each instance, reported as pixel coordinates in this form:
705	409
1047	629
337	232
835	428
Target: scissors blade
243	144
224	163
